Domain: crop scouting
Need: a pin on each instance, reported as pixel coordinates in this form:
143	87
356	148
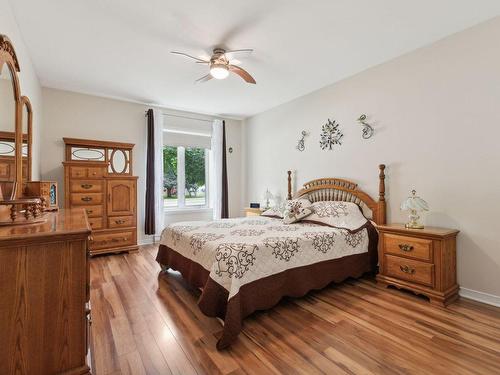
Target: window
185	182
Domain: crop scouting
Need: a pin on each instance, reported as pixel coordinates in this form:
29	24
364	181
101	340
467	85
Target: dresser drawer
78	172
121	221
5	174
87	172
411	270
95	223
86	186
95	172
411	247
86	198
115	239
93	211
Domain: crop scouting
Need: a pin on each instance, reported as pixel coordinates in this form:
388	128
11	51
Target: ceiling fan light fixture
219	71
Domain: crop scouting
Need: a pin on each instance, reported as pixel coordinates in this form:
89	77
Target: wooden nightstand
420	260
253	211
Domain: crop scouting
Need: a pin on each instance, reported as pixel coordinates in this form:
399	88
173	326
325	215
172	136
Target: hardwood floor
145	324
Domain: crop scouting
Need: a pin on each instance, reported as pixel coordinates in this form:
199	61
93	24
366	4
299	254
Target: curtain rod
186	117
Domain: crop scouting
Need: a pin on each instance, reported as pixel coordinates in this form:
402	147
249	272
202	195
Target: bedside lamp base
414	223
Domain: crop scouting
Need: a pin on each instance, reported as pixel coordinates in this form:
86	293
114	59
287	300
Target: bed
247	264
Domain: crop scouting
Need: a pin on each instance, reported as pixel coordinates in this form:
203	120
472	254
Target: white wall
30	85
437	120
68	114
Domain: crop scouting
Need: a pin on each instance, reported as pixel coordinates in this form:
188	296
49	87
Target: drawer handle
407	269
86	186
89	212
405	247
120	221
86	199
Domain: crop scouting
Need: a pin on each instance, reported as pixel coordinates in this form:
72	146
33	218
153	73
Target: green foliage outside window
194	171
170	171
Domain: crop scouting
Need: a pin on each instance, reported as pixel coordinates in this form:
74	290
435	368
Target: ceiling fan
220	65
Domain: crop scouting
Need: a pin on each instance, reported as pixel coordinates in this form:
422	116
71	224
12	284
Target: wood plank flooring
146	324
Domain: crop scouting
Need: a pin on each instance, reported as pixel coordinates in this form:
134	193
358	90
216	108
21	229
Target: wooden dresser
420	260
98	177
44	295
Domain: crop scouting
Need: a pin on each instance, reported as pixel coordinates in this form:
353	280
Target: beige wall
68	114
30	85
437	120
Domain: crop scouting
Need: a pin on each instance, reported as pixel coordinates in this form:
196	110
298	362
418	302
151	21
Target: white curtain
215	164
158	136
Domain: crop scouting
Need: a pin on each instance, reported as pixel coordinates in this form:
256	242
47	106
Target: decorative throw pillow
344	215
296	210
273	212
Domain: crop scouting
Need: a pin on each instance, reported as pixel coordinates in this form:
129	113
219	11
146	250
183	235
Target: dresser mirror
16	118
118	161
9	95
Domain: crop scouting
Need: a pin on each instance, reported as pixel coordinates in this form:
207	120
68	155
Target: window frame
181	187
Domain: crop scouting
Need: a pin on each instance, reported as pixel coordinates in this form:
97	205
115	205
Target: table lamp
414	204
268	196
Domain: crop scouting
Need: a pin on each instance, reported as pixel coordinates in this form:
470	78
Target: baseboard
489	299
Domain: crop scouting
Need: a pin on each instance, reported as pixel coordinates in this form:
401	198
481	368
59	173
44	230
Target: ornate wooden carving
6	47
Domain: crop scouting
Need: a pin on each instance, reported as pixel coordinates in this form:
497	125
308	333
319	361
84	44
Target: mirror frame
8	56
25	102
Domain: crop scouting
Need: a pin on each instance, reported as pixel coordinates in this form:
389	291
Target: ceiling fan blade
204	78
191	57
248	50
242	73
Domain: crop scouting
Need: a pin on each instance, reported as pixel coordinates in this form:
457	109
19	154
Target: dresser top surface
63	222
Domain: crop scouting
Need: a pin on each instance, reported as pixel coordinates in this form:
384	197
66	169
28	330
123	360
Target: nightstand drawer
417	248
411	270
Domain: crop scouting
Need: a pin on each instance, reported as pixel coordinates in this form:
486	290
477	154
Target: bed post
289	185
381	219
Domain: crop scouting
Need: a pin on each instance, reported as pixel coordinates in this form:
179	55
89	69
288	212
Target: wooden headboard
338	189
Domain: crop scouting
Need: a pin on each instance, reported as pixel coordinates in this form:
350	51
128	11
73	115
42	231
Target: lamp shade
413	202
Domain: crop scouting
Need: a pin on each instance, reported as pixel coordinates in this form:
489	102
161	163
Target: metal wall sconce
367	128
301	146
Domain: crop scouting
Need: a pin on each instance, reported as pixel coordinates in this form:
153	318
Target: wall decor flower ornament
301	146
330	135
367	128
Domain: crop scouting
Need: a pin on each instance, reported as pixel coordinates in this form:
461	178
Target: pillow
273	212
343	215
296	210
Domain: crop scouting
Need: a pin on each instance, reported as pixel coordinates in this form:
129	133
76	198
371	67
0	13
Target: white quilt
239	251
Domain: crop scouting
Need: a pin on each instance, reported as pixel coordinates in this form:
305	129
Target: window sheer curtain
154	173
218	171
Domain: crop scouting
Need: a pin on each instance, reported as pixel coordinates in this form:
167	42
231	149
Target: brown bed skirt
265	293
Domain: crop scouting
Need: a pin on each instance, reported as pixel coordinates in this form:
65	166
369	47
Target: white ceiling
120	48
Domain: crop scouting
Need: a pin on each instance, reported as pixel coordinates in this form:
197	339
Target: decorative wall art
367	128
301	146
330	135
